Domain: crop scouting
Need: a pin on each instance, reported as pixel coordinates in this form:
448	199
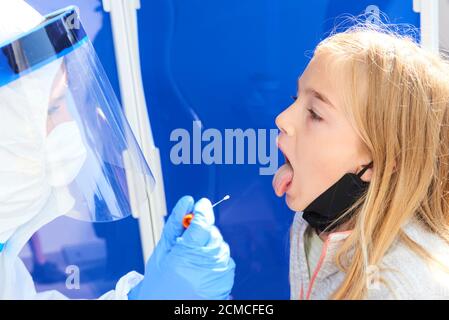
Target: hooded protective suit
65	146
35	168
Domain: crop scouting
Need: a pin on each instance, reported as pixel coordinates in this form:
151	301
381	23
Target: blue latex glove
188	264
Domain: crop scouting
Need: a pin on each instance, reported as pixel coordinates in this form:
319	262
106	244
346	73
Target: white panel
125	33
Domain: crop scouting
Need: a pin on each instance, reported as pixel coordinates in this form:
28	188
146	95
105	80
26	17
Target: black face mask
332	203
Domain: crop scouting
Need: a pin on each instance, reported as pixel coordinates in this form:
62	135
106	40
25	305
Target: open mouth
283	177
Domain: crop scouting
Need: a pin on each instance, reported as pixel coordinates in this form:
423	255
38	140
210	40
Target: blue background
231	64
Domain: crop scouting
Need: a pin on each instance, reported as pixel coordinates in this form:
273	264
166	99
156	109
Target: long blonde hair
397	100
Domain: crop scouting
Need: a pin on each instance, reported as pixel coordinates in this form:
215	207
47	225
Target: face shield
63	134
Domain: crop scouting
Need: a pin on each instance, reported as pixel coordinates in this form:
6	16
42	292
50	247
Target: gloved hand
188	264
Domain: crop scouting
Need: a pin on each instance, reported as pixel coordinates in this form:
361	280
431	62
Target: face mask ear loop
360	174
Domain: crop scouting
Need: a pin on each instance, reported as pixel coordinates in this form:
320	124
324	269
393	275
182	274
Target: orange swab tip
188	217
187	220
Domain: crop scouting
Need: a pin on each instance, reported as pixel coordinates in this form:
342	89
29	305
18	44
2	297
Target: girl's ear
366	176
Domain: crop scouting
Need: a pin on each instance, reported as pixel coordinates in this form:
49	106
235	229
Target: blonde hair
397	99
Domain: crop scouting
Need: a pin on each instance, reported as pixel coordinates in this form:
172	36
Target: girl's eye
314	116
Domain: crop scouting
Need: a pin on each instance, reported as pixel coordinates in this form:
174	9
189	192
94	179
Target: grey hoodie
408	276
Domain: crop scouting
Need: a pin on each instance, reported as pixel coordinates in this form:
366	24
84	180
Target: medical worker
67	149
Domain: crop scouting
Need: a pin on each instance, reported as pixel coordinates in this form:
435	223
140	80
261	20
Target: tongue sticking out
282	179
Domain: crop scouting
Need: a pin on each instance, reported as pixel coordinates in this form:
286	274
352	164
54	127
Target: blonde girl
370	96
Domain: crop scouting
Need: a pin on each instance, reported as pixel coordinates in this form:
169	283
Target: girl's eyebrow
321	97
316	94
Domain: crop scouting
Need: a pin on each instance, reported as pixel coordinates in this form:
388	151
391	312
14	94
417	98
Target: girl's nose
284	125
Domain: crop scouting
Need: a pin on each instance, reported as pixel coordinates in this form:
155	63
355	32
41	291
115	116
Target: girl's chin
290	201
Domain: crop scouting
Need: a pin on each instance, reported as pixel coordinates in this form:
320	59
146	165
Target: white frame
125	33
430	23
